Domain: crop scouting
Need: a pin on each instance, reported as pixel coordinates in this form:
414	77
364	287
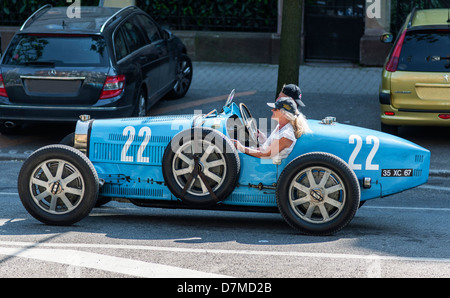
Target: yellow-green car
415	86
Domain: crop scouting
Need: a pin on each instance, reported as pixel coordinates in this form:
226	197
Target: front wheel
318	194
58	185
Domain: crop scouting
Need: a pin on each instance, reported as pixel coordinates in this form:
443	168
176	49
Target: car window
119	45
426	51
150	28
61	50
134	37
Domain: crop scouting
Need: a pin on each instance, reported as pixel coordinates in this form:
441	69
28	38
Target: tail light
444	116
393	61
113	86
2	87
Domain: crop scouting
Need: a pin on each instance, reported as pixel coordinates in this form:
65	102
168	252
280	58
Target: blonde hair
298	122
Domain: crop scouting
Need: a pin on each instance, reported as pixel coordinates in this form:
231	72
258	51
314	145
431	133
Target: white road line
223	252
106	263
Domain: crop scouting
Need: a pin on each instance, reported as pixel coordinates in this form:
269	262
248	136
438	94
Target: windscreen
426	51
57	50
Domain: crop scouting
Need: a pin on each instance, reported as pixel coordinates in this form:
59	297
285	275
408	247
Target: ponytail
300	125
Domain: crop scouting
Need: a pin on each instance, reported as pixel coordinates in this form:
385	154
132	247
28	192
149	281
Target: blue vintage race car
188	161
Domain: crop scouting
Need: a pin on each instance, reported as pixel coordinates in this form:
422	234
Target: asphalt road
404	235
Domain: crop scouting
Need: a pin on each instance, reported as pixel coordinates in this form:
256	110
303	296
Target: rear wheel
141	104
183	77
58	185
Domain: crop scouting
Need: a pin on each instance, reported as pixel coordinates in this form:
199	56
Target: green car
415	86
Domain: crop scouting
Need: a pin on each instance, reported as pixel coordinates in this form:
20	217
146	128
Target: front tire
58	185
318	194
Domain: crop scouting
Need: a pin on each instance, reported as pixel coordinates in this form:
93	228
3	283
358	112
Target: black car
108	62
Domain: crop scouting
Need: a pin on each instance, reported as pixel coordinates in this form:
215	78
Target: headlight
82	131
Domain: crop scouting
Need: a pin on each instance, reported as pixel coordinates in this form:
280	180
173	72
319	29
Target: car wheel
200	166
183	78
69	140
58	185
141	105
318	194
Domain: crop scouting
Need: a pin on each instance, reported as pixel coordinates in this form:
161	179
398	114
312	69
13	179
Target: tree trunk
289	63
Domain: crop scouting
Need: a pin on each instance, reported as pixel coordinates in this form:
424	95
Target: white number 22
131	132
359	142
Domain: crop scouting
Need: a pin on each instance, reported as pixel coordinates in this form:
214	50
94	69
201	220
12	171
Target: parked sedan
110	62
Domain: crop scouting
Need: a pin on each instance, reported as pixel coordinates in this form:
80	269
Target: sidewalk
328	78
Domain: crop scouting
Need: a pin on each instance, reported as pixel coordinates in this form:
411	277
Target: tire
141	104
52	200
69	140
200	166
318	194
183	78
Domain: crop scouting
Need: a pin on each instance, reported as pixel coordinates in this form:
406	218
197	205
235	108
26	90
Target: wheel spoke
213	176
47	172
59	170
324	179
333	202
301	201
324	212
66	202
301	187
39	182
334	188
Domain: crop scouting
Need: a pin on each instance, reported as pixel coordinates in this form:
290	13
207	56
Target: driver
291	125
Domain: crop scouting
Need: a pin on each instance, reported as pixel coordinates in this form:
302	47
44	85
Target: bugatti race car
188	161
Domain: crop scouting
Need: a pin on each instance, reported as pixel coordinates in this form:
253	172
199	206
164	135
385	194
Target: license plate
397	173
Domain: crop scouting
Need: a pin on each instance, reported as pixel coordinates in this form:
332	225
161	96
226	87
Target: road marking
195	103
435	187
223	252
106	263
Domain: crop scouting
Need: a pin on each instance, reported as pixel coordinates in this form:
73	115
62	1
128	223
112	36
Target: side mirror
167	34
387	38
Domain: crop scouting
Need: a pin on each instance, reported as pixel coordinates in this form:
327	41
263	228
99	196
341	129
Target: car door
158	46
142	56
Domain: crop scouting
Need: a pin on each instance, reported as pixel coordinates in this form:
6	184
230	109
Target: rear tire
183	78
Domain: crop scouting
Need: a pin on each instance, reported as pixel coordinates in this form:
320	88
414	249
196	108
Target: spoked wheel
58	185
183	77
318	194
200	166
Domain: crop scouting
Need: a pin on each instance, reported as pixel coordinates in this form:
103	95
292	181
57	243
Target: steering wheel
250	124
230	98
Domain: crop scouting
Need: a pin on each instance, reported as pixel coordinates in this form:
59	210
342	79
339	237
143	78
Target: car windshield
426	51
57	50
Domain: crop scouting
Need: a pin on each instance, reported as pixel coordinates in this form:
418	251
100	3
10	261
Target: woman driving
291	125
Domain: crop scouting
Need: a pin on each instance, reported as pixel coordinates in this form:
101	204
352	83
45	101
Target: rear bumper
60	114
403	117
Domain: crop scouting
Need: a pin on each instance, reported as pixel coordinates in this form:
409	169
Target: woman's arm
276	147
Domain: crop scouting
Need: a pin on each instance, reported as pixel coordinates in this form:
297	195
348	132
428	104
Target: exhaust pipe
9	124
